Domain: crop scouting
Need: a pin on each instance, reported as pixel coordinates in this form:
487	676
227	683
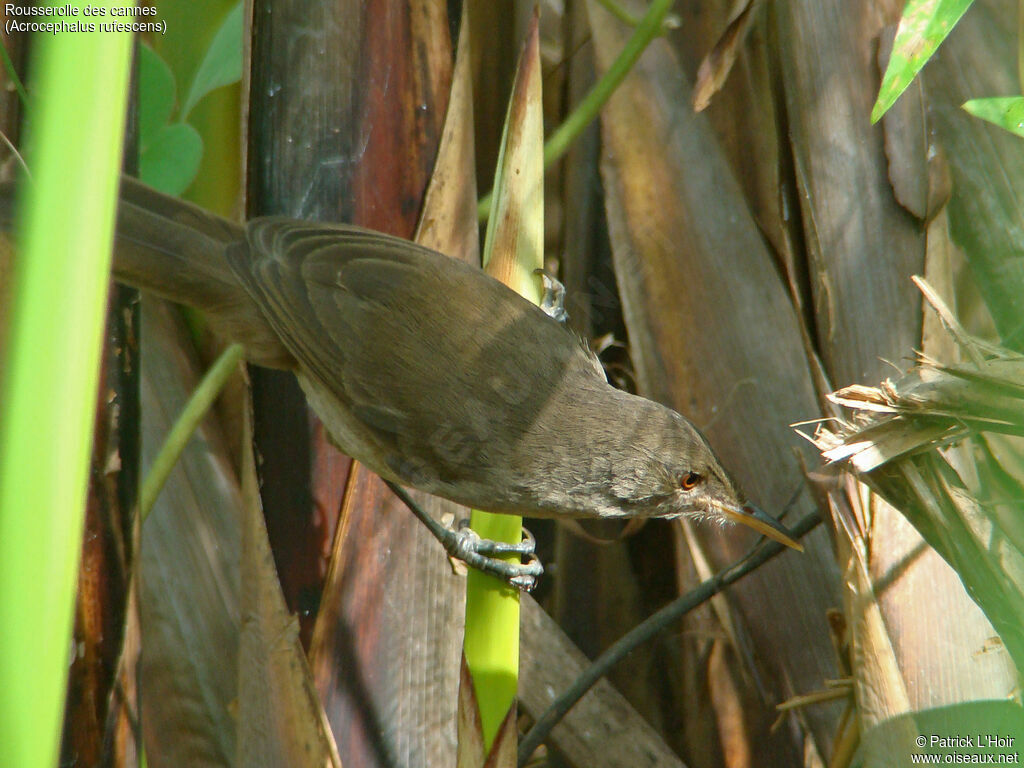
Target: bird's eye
690	480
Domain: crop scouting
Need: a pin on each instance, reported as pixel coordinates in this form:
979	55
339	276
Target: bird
430	372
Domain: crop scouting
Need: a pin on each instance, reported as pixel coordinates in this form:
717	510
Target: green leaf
513	251
1006	112
924	25
171	160
156	93
222	64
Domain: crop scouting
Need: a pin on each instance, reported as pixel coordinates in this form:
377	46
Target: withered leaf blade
448	221
471	753
189	579
603	730
714	69
387	635
280	718
713	333
514	244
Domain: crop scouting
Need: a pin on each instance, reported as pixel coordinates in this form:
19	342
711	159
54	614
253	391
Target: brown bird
430	372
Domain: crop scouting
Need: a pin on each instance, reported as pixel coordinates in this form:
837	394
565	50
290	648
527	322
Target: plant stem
649	628
51	372
193	413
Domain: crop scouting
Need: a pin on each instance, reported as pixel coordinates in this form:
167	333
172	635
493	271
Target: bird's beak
763	523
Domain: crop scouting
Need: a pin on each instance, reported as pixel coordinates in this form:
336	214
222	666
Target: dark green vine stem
640	634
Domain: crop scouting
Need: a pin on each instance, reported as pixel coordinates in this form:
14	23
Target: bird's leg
483	554
553	301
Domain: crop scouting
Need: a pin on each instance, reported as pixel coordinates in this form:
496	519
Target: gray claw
553	301
466	545
482	554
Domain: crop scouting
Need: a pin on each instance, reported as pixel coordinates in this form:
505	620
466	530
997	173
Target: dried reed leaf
602	730
886	441
881	688
448	221
188	561
471	752
968	345
715	68
712	332
927	408
861	245
280	718
514	244
893	442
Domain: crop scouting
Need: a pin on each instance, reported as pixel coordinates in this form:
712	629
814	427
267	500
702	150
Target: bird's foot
486	555
483	554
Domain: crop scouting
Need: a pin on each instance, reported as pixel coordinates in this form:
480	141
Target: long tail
175	249
178	251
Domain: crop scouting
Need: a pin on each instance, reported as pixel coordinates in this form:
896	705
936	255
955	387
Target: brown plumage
427	370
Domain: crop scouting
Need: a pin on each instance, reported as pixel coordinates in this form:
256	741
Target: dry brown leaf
515	228
707	315
188	569
603	730
715	68
280	719
448	222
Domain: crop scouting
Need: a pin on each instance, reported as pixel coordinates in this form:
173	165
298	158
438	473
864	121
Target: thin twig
760	554
12	73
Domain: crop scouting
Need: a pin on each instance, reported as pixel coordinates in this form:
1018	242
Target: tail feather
177	250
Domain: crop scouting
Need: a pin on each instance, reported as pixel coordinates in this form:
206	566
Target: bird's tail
177	250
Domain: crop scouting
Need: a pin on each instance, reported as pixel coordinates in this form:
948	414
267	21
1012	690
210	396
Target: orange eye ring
690	480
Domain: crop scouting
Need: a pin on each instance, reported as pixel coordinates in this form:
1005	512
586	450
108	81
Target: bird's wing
431	354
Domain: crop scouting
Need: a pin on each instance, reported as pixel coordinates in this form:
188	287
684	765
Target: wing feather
405	337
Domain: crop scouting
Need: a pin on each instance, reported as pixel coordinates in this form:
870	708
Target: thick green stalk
491	642
49	393
513	251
